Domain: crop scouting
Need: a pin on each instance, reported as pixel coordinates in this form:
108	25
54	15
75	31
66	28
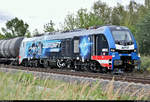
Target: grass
22	86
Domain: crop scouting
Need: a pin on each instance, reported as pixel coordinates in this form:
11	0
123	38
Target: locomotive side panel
66	48
42	49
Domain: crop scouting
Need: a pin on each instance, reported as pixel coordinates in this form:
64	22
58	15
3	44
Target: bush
145	63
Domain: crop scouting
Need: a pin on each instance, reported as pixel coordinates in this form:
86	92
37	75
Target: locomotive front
124	50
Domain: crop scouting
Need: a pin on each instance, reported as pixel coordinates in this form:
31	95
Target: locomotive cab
125	53
115	49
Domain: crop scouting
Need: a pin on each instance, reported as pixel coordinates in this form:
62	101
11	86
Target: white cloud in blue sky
38	12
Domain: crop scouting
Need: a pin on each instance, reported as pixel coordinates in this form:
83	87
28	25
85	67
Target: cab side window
100	44
76	46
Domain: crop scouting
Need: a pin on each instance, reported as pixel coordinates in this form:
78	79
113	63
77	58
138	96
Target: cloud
4	16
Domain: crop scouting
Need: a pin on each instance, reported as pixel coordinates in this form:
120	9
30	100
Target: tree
82	19
102	11
131	16
2	36
94	20
118	15
28	34
142	10
36	32
49	27
7	33
143	34
15	27
85	19
70	22
147	3
132	13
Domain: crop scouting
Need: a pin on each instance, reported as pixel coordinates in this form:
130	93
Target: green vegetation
143	34
145	63
23	86
2	36
49	27
15	28
135	16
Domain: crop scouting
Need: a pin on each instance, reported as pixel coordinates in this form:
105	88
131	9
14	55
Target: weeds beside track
126	77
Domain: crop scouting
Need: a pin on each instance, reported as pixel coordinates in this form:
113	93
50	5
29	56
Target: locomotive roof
71	34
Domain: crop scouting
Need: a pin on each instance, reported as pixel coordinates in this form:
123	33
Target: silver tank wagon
10	48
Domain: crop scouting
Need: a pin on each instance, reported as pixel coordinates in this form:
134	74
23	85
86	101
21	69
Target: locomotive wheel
61	64
129	70
26	64
94	67
58	64
45	64
86	67
104	70
36	63
77	66
30	63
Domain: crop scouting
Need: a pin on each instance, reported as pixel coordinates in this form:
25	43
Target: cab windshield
122	36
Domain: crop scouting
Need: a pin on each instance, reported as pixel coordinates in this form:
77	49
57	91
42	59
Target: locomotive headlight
104	50
112	50
135	50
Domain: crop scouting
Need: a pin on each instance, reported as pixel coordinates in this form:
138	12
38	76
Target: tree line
135	16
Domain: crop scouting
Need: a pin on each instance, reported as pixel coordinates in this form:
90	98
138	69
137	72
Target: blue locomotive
102	49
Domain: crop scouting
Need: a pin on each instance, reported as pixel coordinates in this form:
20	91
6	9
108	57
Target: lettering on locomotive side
52	45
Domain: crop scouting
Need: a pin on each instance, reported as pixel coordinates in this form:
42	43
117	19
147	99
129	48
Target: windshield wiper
125	37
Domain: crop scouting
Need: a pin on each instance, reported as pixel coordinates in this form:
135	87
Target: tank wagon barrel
10	48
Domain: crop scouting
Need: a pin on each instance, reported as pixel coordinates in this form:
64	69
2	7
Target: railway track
125	77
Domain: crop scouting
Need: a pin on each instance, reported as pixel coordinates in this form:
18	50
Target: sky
36	13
